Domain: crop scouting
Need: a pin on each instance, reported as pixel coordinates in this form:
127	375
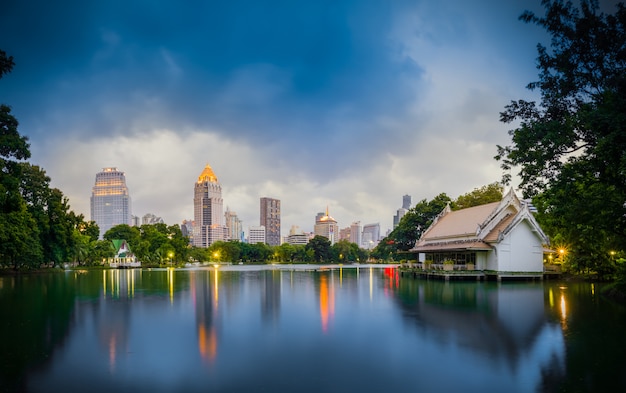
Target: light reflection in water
327	302
371	284
170	281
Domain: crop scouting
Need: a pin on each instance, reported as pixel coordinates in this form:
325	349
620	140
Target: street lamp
170	255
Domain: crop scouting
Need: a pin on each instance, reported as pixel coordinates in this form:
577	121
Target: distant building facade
256	235
150	219
234	226
208	210
406	205
297	237
110	200
355	233
186	228
371	235
270	219
326	226
344	234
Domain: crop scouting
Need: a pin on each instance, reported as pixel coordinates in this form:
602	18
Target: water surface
296	329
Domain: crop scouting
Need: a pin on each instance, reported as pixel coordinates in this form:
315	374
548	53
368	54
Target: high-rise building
256	235
110	200
270	219
355	233
186	228
234	226
406	202
208	210
406	205
344	234
151	219
326	226
371	235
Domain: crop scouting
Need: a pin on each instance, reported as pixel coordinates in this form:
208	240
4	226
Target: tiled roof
501	226
461	222
450	246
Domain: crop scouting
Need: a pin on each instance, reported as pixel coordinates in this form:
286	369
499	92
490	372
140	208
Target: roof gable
484	224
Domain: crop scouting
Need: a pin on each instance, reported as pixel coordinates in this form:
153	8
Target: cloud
349	104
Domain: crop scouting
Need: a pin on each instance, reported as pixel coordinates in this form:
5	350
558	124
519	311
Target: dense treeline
159	244
37	226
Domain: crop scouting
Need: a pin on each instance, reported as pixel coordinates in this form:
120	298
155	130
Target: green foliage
156	243
479	196
36	224
321	249
410	227
571	148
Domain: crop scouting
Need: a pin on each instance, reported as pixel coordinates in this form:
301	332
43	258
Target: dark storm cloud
282	71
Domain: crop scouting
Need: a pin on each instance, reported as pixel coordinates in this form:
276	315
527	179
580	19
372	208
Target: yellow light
561	251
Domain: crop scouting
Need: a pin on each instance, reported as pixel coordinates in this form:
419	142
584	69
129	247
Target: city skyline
345	104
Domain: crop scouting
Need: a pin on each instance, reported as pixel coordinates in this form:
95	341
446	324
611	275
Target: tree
479	196
410	227
571	147
321	248
285	252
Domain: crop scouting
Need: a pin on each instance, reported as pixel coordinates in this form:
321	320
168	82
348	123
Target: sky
345	104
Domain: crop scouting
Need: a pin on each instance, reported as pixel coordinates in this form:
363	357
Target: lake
304	328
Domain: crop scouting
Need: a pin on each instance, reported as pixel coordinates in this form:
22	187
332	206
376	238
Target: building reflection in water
112	315
205	297
270	296
505	323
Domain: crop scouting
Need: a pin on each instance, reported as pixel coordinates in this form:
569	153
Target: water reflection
500	325
342	329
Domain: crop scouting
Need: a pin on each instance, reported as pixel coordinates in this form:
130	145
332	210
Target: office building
355	233
208	212
406	205
256	235
151	219
371	235
297	237
234	226
326	226
110	200
270	219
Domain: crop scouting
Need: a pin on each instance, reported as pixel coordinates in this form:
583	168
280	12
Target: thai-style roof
462	222
478	227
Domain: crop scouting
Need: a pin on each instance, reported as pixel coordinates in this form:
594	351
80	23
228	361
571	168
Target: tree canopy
570	147
36	223
479	196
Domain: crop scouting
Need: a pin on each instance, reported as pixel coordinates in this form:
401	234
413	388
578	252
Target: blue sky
345	104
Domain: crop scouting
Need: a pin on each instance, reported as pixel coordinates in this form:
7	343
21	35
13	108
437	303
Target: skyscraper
406	202
406	205
110	200
234	227
207	210
355	233
371	235
270	219
326	226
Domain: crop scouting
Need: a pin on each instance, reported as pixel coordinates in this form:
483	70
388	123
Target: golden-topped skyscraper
110	200
208	210
326	226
